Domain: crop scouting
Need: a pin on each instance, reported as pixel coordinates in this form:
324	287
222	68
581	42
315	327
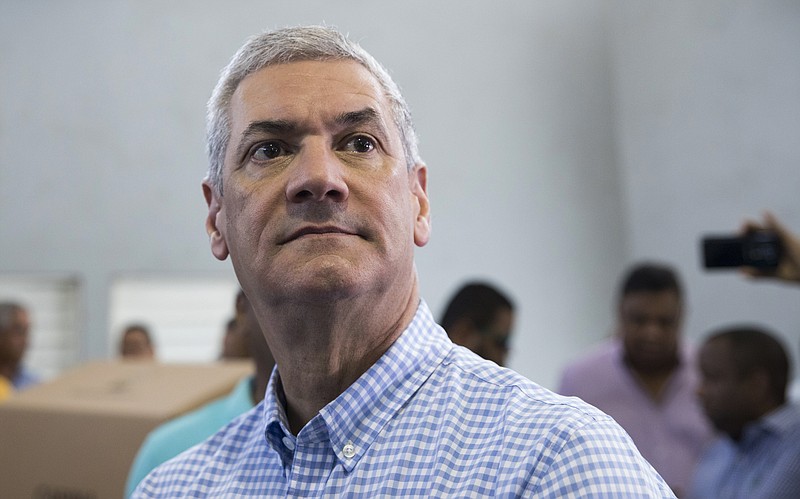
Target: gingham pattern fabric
764	464
429	419
671	433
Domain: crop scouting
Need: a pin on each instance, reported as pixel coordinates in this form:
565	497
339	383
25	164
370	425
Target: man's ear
757	383
419	189
219	248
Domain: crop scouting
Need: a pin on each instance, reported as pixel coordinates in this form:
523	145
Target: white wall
101	142
708	109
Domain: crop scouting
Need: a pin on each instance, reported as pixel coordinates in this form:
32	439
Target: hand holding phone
788	269
760	249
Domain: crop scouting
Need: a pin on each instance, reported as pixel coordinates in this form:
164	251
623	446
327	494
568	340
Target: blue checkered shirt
428	419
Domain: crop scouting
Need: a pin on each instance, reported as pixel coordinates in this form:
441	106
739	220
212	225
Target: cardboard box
76	436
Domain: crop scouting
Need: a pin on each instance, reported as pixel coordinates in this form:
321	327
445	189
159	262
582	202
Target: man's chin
323	282
652	363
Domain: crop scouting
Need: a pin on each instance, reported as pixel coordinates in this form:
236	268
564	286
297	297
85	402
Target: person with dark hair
136	343
234	345
317	193
14	336
480	317
744	373
644	376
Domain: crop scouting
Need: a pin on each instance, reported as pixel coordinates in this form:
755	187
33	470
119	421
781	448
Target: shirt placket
311	467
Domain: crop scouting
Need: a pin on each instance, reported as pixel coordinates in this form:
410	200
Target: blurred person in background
14	339
743	391
480	317
181	433
136	343
645	376
235	344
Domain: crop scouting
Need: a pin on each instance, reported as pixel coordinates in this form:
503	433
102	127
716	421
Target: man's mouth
321	230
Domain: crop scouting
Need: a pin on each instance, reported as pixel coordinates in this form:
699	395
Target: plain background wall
564	139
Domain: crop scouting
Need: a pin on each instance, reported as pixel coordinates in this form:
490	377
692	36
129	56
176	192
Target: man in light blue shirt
317	193
743	391
183	432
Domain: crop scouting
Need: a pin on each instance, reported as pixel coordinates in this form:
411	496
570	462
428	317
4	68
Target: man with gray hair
14	330
318	195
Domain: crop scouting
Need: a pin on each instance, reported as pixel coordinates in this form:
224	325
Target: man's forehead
292	90
651	297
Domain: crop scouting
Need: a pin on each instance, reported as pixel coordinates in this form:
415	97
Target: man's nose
317	175
653	330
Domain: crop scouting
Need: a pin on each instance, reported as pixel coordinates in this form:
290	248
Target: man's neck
321	351
654	383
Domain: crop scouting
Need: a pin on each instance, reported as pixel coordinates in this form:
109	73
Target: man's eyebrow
368	118
363	116
263	127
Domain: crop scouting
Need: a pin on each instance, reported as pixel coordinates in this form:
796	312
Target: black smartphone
760	249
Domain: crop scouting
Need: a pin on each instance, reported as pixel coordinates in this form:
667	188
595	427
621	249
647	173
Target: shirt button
288	442
349	450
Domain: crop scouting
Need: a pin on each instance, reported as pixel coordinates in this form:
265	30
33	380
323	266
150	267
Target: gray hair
294	44
8	310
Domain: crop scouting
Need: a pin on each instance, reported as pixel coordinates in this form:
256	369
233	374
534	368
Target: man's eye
267	151
360	143
637	320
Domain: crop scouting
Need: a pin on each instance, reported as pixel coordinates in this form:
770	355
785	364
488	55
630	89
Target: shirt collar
355	418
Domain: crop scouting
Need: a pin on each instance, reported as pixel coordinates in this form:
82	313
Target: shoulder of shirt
785	420
25	378
609	348
595	364
518	393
